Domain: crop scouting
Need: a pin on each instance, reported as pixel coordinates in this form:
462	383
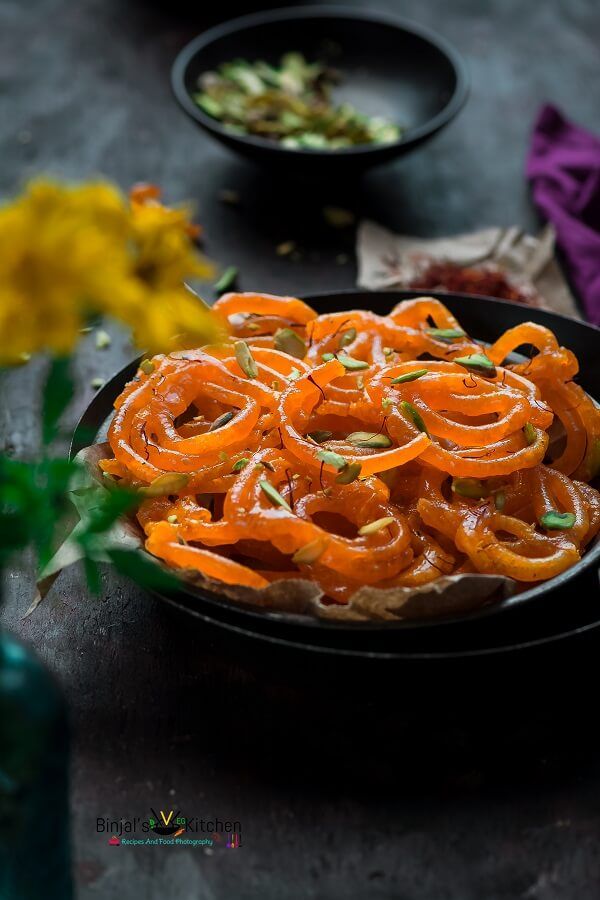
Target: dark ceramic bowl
389	67
540	615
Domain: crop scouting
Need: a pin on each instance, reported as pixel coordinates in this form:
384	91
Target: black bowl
538	616
390	67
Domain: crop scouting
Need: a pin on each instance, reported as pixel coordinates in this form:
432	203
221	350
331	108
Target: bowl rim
413	136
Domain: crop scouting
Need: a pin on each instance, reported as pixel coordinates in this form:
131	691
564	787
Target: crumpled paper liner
448	595
387	260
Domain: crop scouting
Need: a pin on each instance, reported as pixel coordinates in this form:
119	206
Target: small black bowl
389	67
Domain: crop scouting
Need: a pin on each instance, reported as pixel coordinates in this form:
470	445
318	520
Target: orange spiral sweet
360	449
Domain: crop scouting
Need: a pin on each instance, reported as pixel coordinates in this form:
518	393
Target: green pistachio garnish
103	339
387	403
169	483
172	520
274	495
530	433
287	341
414	415
377	525
221	420
348	337
223	456
500	500
446	334
556	521
387	351
245	359
369	439
409	376
294	374
147	366
240	464
349	474
319	437
327	357
477	362
469	487
329	458
353	365
311	552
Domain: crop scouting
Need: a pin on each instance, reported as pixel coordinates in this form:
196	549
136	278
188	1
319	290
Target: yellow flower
68	252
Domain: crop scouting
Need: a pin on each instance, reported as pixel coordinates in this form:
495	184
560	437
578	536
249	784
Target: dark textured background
491	789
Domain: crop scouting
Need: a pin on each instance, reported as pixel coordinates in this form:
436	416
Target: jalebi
356	449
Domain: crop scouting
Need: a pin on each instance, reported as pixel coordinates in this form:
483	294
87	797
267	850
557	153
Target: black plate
544	613
390	67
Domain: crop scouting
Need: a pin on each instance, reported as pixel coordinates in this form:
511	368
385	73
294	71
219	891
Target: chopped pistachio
172	520
147	366
369	439
530	433
169	483
227	279
446	334
360	382
557	521
294	374
311	552
287	341
348	337
377	525
221	420
319	437
103	339
240	464
500	500
327	357
223	456
414	415
97	383
274	495
409	376
349	474
332	459
338	217
469	487
387	351
285	248
245	359
477	362
387	403
353	365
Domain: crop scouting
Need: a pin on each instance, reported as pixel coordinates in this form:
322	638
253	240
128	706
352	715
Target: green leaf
556	521
58	393
143	570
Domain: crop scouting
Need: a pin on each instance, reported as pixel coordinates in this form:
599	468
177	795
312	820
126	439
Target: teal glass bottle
34	815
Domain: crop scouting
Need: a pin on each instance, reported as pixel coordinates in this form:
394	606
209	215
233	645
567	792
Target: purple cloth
564	169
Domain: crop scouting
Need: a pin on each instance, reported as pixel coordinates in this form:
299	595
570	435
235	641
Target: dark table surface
348	781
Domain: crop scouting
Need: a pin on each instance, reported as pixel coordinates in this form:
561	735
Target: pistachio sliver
226	280
348	337
169	483
274	495
530	433
557	521
446	334
469	487
409	376
369	439
245	359
377	525
500	500
319	437
351	364
221	420
327	357
329	458
287	341
240	464
311	552
477	362
147	366
414	415
349	474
